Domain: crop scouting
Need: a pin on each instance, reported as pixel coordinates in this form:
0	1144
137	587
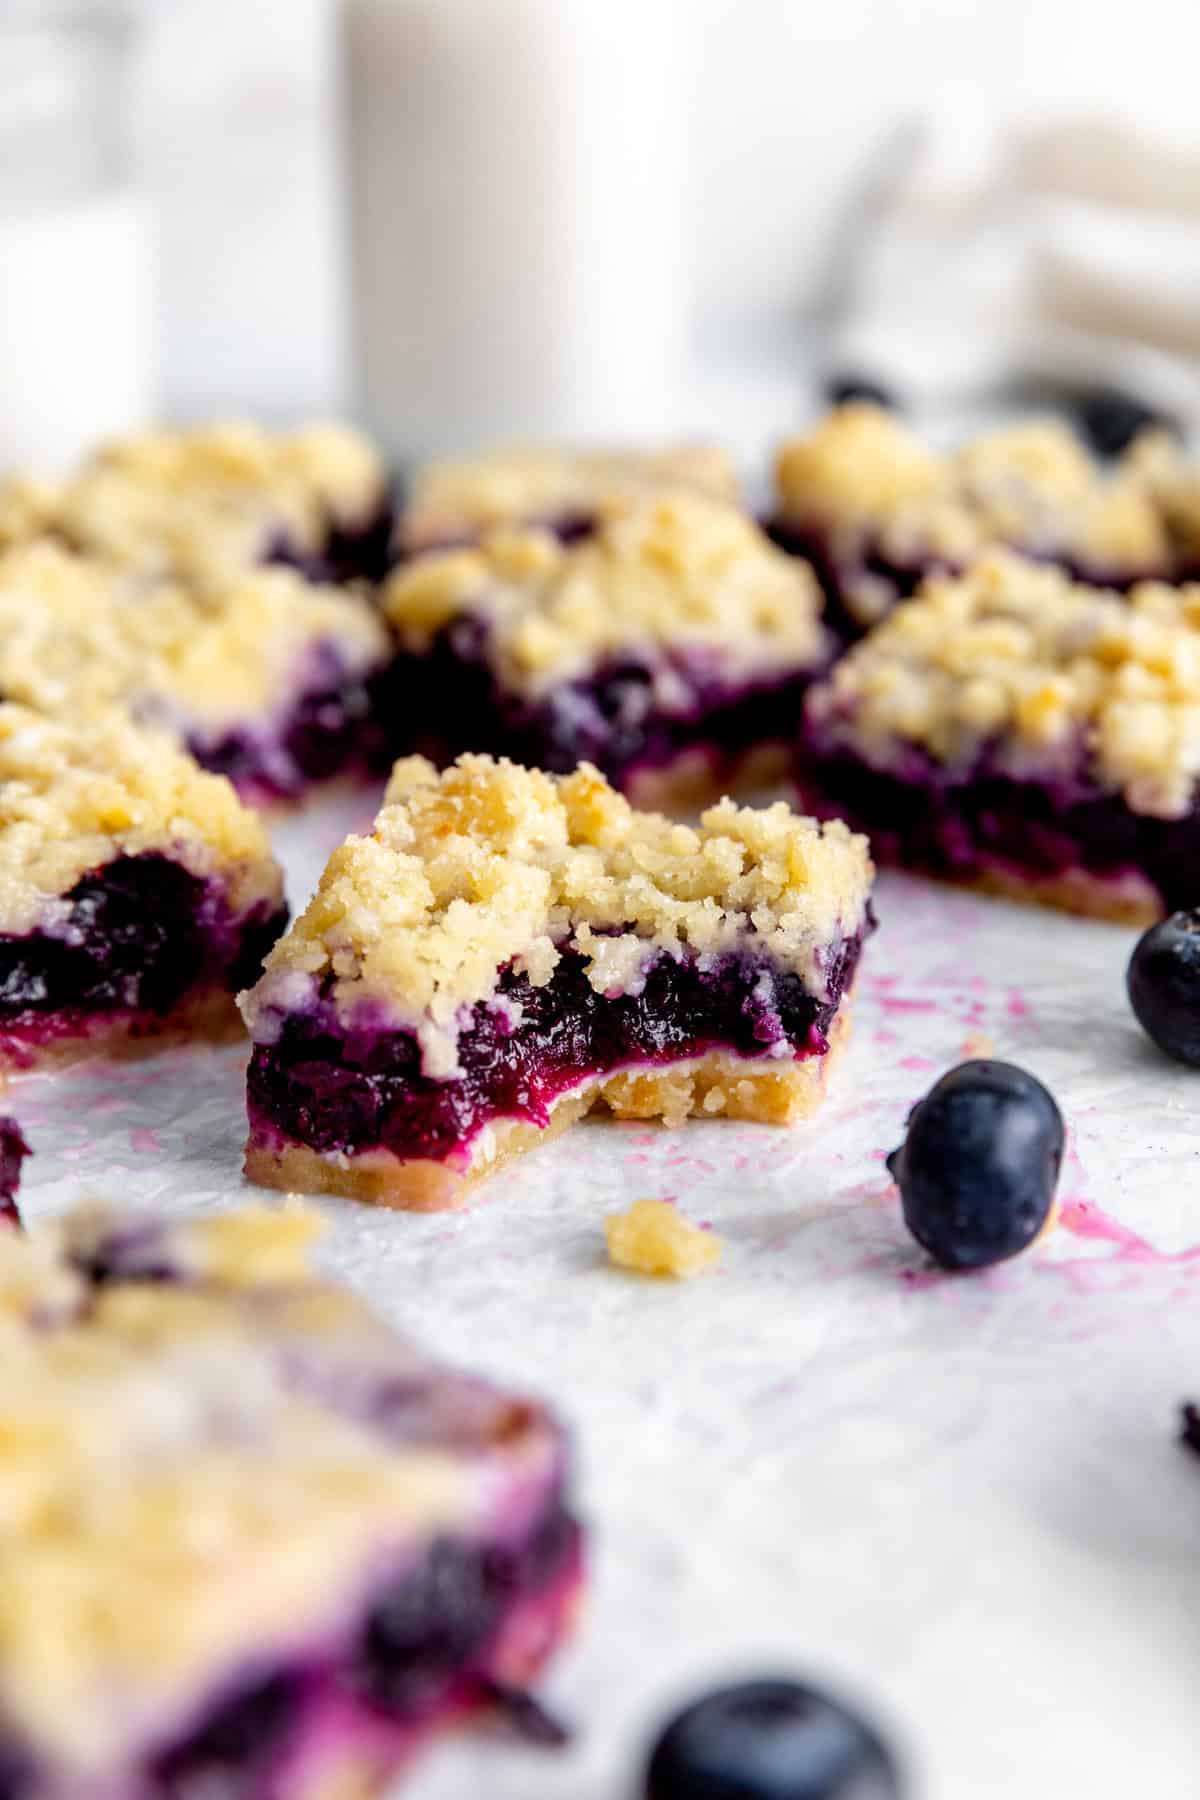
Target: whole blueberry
769	1740
1189	1430
1110	419
845	385
978	1168
1163	980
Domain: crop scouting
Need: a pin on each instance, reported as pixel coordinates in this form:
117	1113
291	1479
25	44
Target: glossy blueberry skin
1163	981
769	1740
845	385
978	1168
1110	419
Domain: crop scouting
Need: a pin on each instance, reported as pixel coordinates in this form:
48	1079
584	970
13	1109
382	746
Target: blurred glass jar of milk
76	359
519	242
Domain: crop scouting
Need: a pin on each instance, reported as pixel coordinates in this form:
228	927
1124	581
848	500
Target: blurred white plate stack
520	250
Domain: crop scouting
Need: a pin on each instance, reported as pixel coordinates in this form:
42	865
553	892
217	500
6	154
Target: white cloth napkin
1064	253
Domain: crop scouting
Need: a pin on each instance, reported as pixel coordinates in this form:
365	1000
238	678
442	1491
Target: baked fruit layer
721	1084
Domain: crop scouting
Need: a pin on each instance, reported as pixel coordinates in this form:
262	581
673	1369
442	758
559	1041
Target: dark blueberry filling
352	1091
960	829
135	1252
448	700
18	1773
425	1632
236	1738
426	1628
330	730
140	934
525	1715
570	527
361	551
424	1646
13	1151
841	575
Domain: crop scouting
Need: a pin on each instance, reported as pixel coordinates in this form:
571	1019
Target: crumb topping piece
677	573
203	504
490	864
164	1439
653	1238
72	633
1173	480
540	484
76	795
1037	668
863	475
27	507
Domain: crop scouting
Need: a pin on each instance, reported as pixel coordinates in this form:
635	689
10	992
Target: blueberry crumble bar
202	505
874	510
13	1151
509	949
1024	734
563	491
670	648
268	680
252	1544
137	894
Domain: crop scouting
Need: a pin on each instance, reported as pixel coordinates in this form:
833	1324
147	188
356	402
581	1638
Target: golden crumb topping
26	508
191	1477
490	864
860	463
1036	667
652	1237
73	634
75	794
532	484
862	474
202	505
676	573
1173	480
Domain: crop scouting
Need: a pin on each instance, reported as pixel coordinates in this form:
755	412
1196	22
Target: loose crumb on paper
654	1238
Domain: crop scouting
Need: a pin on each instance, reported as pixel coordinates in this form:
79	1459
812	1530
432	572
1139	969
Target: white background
790	97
